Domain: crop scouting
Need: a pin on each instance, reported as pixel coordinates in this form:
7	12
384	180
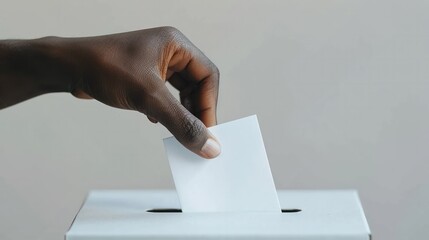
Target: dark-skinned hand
125	70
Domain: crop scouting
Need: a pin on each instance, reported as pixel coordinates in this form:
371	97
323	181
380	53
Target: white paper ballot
239	179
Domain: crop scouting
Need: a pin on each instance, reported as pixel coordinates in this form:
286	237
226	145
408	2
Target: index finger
201	77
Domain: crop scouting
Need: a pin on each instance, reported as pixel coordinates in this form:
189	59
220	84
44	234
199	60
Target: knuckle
169	29
215	70
215	76
170	34
212	69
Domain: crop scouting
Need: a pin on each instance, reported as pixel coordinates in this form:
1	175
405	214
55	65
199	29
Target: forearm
29	68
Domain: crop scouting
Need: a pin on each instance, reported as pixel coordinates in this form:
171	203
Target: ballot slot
164	210
178	210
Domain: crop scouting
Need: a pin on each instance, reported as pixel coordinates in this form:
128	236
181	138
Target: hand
130	70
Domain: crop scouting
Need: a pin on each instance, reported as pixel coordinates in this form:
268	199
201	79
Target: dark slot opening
291	210
165	210
178	210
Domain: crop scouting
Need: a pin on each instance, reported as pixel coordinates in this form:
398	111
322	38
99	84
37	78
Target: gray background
340	89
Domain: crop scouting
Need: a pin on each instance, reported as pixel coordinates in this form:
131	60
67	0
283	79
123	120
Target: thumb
185	127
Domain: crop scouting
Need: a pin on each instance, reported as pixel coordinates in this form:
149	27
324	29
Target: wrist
40	65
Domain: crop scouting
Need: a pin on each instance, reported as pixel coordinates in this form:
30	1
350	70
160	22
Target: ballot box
156	215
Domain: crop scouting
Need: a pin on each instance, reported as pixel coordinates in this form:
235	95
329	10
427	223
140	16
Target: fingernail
211	148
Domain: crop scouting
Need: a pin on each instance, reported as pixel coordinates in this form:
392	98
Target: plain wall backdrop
340	89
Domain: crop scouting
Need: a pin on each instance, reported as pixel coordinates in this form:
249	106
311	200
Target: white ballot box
156	215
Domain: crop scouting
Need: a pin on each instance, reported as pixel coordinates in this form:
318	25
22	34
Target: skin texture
125	70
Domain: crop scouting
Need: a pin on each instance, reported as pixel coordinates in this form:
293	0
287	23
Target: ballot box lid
155	214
